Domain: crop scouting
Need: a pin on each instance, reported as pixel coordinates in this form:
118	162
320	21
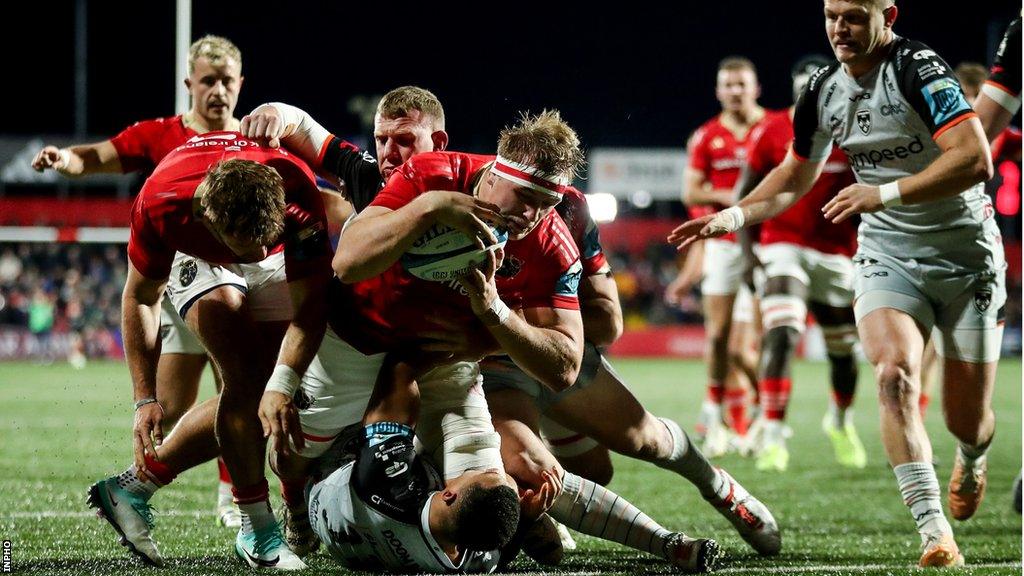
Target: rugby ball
443	253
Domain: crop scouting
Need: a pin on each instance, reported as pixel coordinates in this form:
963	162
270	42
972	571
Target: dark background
631	75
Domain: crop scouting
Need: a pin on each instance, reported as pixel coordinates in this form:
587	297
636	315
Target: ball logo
924	54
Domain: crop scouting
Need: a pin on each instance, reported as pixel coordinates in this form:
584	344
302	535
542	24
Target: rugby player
930	259
214	82
996	105
330	380
716	156
236	235
599	412
807	264
999	100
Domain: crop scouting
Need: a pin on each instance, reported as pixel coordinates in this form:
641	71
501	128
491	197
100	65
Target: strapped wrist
284	380
145	401
890	194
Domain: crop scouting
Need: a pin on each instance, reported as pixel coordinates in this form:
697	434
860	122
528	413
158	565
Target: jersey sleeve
930	86
356	168
811	140
575	212
133	146
759	156
307	248
1006	68
557	285
150	256
400	189
385	475
698	150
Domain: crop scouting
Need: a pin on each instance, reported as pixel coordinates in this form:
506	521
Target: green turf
61	429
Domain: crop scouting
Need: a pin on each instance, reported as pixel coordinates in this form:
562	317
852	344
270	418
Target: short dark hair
486	518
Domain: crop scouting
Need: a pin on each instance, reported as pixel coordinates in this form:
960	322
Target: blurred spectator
66	294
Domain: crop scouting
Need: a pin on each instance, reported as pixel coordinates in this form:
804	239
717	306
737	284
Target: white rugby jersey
886	122
375	517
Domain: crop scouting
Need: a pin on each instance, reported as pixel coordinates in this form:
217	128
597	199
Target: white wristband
500	310
890	193
729	220
284	380
65	158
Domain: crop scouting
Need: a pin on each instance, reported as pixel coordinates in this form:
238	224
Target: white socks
689	463
592	509
129	481
920	489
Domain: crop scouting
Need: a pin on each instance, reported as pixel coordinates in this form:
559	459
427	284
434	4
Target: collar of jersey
431	542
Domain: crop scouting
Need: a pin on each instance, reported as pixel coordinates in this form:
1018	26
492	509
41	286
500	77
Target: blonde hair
736	64
244	199
216	49
400	101
545	142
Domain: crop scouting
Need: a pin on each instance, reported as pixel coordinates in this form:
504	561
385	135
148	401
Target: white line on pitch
850	568
86	514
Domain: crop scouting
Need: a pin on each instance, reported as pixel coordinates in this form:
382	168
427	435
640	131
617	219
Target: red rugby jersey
540	271
141	146
576	213
803	223
720	156
164	216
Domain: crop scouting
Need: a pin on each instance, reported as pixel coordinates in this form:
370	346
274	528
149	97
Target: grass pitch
62	429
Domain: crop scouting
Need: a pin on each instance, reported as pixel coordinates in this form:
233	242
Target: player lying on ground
416	171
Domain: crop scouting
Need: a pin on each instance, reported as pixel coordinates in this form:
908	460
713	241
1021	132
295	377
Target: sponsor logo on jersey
857	97
944	99
510	267
835	124
871	158
893	109
396	469
302	400
717	142
831	91
924	54
864	121
931	69
188	272
569	283
982	300
404	557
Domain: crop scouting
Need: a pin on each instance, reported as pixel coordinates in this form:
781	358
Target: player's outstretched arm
779	190
79	160
378	236
140	325
965	160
